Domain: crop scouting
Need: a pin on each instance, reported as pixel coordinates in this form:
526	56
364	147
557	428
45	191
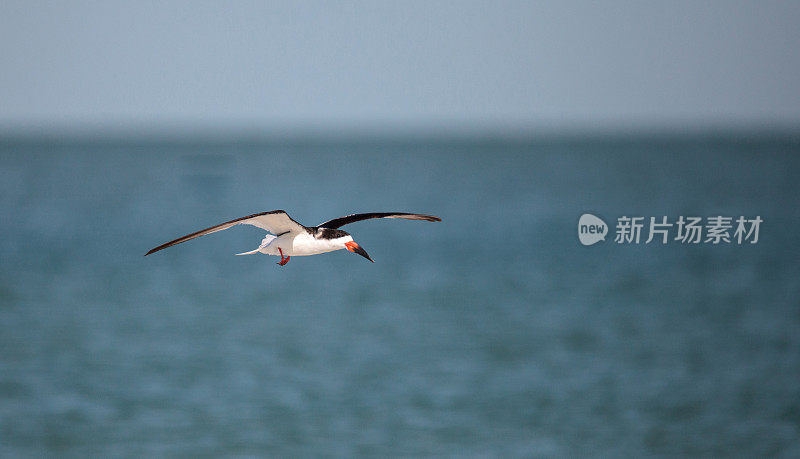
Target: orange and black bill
353	247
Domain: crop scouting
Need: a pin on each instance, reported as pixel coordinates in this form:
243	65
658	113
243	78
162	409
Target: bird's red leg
283	260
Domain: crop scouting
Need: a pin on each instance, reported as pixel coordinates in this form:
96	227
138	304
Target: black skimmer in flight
290	238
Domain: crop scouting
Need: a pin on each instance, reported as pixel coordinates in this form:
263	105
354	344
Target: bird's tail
267	240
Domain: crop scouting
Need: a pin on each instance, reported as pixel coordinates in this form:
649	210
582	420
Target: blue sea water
492	334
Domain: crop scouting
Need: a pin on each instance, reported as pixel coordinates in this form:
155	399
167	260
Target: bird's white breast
303	244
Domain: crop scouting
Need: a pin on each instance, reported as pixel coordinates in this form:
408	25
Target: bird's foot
283	260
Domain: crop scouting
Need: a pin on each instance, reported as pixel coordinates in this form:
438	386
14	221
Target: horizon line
225	134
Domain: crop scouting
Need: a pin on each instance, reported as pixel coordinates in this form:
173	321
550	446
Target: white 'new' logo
591	229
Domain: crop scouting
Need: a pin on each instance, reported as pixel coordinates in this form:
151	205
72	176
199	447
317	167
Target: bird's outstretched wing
341	221
276	222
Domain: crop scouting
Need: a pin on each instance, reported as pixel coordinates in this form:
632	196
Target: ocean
494	333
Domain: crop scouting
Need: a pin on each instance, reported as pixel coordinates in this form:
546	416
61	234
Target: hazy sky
398	65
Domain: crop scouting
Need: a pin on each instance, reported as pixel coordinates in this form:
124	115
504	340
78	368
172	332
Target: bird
287	238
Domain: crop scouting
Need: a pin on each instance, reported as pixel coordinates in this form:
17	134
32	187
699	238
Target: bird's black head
347	240
328	233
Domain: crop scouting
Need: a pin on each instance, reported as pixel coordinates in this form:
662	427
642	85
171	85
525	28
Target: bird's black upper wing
341	221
